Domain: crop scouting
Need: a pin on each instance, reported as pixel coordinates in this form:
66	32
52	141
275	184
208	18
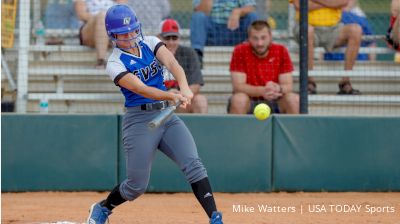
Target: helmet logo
127	20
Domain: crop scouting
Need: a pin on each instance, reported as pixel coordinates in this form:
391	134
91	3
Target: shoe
98	214
216	218
101	64
312	86
345	88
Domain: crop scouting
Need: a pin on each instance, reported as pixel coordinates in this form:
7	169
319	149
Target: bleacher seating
65	76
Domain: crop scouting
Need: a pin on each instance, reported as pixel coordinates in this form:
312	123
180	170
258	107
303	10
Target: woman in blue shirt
135	65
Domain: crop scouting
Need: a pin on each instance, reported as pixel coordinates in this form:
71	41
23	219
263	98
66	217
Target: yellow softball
262	111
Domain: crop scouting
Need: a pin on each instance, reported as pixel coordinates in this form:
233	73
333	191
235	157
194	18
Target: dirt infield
182	208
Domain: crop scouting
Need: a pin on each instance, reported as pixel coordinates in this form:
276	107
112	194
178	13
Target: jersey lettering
154	69
148	71
136	73
145	72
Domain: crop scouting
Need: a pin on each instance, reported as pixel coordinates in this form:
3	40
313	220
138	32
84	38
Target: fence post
303	56
23	51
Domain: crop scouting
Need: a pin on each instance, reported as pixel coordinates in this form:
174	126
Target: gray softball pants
140	143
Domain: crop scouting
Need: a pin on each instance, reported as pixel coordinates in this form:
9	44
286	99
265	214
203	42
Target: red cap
169	27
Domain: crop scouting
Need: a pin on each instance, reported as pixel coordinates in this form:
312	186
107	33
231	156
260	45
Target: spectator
151	12
187	58
261	72
325	30
60	14
353	13
220	22
393	33
92	32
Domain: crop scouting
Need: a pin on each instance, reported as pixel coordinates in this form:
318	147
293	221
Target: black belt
155	106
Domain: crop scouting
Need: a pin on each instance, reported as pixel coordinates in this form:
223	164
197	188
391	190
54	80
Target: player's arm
134	84
240	86
286	82
169	61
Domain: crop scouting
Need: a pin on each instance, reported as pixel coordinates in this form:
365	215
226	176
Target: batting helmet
121	19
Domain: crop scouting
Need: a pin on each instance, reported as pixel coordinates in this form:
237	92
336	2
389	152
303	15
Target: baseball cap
169	27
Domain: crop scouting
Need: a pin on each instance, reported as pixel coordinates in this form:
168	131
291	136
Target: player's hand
233	21
176	97
188	94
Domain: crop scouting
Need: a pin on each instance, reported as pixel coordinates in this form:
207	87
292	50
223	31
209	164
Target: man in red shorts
262	73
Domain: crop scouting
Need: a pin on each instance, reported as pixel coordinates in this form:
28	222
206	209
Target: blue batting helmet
121	19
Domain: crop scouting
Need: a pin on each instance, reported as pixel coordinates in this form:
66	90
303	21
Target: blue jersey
145	66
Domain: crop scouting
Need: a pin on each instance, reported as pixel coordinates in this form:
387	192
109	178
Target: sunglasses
171	38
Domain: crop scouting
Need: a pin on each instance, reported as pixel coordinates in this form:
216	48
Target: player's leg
178	144
239	104
289	103
140	146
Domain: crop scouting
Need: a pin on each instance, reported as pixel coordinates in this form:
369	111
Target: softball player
135	66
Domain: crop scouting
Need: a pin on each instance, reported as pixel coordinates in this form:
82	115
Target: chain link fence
55	74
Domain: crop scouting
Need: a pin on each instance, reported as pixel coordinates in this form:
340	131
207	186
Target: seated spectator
261	72
150	12
60	14
93	32
325	30
393	33
187	58
220	22
353	13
